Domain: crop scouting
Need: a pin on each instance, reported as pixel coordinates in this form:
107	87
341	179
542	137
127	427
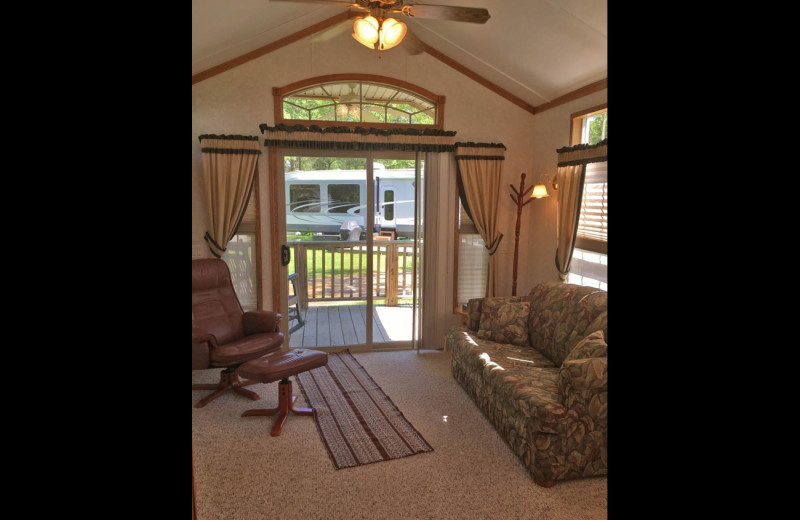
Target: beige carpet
243	473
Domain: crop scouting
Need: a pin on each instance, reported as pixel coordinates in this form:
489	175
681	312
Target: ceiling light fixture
378	33
345	110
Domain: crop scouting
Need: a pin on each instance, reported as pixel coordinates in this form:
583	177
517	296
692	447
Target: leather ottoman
279	366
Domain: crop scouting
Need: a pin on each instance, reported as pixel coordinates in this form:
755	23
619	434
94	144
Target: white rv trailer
322	201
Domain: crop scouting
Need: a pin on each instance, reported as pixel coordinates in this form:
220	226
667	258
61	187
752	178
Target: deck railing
337	270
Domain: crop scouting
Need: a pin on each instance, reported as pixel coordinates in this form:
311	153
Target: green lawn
303	237
335	262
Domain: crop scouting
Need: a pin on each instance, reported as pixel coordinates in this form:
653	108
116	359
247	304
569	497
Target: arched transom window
358	99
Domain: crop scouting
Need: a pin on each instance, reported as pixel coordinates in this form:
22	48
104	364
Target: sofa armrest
474	313
585	382
583	374
261	321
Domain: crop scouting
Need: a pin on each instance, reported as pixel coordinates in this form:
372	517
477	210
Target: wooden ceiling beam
575	94
477	78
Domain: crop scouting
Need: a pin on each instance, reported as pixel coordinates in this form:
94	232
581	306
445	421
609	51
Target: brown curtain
570	188
480	171
572	161
229	172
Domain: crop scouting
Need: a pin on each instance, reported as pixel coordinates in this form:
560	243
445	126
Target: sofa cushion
592	346
504	321
561	314
475	307
521	384
471	349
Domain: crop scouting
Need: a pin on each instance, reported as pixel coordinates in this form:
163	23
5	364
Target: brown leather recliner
223	334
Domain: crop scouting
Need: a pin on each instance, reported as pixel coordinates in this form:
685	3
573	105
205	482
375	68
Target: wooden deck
339	325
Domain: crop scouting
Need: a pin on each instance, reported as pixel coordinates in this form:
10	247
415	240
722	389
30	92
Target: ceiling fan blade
332	32
355	4
446	12
412	44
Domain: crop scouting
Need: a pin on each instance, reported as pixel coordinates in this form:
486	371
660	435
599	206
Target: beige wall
238	100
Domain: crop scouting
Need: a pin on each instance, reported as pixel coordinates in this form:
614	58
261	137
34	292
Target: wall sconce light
518	196
539	191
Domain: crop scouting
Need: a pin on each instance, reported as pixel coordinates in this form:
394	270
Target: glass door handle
286	255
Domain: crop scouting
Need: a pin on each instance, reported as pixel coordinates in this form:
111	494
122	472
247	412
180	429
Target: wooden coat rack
519	198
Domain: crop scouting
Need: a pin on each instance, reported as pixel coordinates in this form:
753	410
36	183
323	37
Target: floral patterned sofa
536	366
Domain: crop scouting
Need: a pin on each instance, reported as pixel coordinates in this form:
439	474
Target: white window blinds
473	267
240	255
593	223
473	260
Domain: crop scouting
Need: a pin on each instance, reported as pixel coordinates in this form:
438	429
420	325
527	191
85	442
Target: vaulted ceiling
536	50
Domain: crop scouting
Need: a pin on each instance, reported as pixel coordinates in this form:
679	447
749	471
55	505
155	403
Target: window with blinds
589	269
240	256
593	222
473	261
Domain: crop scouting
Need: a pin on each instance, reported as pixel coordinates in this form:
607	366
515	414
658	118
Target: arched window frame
279	93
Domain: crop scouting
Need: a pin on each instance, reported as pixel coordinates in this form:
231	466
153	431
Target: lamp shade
392	32
539	191
366	31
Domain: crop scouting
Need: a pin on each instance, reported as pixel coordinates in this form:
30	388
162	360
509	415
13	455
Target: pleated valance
583	153
358	138
230	144
488	151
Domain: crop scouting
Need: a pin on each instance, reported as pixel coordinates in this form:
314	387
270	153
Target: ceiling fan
380	30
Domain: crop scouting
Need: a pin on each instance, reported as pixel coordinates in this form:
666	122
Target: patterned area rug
358	423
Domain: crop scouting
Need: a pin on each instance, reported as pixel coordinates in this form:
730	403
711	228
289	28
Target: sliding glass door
394	248
351	251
